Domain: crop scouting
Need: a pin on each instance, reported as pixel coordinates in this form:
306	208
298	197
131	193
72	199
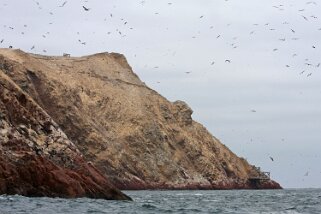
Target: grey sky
163	41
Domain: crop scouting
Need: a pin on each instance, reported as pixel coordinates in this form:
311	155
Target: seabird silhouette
85	8
305	18
63	4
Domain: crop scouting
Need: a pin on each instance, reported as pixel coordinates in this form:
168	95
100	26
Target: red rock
36	157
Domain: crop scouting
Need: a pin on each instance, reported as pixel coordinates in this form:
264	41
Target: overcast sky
249	69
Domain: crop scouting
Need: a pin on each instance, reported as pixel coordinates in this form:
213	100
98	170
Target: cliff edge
128	131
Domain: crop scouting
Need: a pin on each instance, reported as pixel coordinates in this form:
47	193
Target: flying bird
309	74
227	60
312	2
305	18
201	17
85	8
271	158
1	40
293	31
214	62
63	4
32	47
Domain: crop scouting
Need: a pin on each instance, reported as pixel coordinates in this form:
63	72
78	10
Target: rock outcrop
132	134
37	158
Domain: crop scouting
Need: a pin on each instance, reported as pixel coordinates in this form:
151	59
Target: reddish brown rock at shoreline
136	137
36	157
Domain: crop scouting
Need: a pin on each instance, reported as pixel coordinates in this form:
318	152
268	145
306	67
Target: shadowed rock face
36	157
130	132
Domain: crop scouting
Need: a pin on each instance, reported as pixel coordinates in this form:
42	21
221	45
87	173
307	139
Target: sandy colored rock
135	136
37	158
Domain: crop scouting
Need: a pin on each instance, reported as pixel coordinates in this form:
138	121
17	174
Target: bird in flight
227	60
271	158
85	8
305	18
63	4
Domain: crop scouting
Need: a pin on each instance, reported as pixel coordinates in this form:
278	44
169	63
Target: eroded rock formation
131	133
37	158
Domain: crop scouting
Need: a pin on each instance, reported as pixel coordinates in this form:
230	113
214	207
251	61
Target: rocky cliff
36	157
131	133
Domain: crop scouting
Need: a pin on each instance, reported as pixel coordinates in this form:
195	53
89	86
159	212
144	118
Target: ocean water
231	201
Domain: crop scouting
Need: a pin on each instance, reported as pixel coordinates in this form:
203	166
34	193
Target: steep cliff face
130	132
36	157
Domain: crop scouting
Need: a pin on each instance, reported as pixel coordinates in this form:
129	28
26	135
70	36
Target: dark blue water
241	201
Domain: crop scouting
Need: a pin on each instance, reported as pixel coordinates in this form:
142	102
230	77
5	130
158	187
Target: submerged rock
132	134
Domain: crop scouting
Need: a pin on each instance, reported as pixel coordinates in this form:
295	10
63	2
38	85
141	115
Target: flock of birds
309	66
279	7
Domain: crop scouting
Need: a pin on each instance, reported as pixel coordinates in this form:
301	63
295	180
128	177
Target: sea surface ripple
231	201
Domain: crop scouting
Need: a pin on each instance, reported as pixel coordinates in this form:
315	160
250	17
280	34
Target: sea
228	201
